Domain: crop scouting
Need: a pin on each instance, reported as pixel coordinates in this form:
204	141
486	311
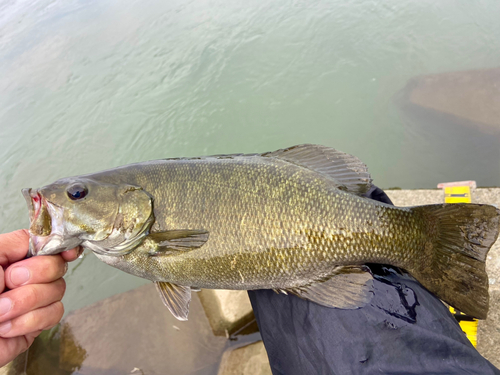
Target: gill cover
131	224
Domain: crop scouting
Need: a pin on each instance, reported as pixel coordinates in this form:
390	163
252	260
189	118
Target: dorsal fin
348	172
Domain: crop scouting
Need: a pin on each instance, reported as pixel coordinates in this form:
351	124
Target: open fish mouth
34	201
46	230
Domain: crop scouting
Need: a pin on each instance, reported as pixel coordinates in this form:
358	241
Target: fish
293	220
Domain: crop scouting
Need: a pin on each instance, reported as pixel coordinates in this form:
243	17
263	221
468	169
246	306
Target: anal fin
350	287
175	297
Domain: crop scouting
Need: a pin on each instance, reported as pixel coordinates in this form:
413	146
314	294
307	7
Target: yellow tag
468	326
470	329
457	194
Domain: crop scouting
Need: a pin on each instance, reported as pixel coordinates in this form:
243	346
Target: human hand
30	293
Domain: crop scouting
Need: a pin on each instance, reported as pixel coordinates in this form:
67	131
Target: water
89	85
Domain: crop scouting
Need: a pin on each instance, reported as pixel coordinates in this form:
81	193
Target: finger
37	270
11	348
36	320
22	300
30	337
72	254
13	246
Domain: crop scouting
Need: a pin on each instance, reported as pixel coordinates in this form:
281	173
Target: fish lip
37	243
28	196
29	201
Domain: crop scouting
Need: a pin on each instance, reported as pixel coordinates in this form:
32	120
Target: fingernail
5	305
19	275
5	327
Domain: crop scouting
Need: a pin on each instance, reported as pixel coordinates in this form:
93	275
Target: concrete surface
247	360
488	340
228	311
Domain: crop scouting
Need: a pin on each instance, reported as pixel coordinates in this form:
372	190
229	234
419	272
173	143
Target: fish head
109	219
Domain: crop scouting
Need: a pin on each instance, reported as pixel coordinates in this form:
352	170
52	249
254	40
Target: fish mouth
34	201
46	230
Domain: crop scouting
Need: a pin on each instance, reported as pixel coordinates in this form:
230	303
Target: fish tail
459	237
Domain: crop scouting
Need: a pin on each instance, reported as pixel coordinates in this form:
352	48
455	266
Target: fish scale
294	220
318	218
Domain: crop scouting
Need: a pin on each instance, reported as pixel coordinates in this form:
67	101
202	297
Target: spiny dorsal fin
175	240
348	172
350	287
175	297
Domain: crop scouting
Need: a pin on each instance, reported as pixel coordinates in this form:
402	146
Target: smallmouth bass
292	220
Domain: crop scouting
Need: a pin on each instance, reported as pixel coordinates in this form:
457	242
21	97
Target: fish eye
77	191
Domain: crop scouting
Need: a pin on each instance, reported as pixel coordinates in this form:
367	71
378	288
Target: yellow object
457	194
468	325
460	192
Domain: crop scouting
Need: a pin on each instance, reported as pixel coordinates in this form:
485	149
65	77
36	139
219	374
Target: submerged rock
471	96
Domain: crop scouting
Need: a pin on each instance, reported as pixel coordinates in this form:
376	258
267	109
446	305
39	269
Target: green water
88	85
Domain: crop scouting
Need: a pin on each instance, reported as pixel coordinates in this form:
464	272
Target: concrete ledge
227	310
488	343
247	360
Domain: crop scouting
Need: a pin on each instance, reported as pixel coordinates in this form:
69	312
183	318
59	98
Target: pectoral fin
162	243
175	297
349	288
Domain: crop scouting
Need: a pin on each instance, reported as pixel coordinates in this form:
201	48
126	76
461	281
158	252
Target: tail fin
453	268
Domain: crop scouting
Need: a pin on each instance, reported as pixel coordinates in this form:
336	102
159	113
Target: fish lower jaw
51	244
108	249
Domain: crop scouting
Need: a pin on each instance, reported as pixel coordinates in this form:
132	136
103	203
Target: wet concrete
228	311
247	360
